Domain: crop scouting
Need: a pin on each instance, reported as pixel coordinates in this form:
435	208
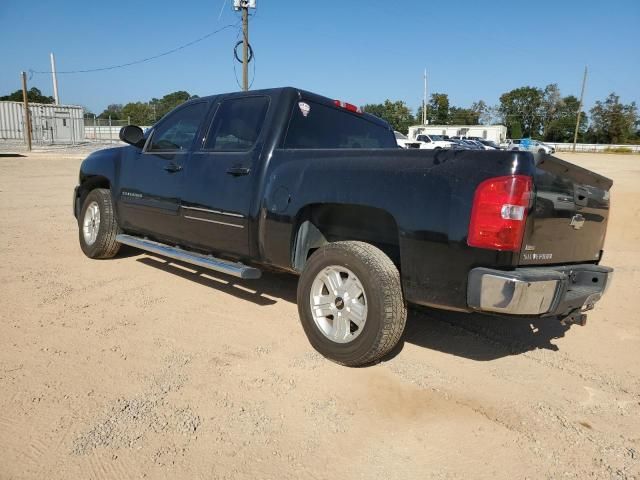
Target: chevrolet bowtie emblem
577	221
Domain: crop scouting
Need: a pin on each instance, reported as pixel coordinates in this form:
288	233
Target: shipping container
50	124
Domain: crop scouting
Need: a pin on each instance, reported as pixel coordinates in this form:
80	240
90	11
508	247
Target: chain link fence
103	130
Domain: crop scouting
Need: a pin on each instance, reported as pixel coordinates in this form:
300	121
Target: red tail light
499	213
347	106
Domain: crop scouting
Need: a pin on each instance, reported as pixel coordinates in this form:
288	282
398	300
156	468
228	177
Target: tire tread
387	276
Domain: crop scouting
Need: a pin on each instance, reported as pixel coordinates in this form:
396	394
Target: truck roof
301	94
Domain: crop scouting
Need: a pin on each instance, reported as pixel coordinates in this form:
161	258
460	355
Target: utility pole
575	135
245	48
55	79
27	116
424	100
245	5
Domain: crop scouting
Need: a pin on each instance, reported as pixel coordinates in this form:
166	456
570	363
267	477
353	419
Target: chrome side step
206	261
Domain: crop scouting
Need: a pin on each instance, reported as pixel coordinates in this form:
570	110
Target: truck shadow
479	337
266	291
469	335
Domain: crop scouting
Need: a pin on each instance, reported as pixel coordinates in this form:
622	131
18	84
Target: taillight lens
499	213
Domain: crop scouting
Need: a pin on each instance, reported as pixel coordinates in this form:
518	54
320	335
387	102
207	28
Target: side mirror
133	135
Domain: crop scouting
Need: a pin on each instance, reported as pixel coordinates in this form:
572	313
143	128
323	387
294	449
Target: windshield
437	138
400	136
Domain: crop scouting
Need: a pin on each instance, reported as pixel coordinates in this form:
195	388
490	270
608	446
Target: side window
314	125
176	132
237	124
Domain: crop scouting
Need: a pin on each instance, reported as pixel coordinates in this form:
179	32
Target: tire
541	151
385	309
98	242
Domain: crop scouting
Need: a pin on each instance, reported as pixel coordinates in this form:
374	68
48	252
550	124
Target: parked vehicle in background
529	145
284	179
479	144
433	142
469	144
403	141
489	144
457	144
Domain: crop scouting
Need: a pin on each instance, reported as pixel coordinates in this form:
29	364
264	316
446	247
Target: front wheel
97	226
350	303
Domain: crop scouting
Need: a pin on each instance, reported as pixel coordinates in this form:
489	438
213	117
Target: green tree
514	129
138	113
114	111
520	110
483	111
550	105
34	95
562	126
438	109
463	116
396	113
162	106
612	121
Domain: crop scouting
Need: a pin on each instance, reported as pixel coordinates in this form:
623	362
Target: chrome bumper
538	291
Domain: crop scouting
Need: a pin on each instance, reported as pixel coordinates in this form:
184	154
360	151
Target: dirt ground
138	368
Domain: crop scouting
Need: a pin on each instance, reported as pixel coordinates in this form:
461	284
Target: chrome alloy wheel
91	223
338	304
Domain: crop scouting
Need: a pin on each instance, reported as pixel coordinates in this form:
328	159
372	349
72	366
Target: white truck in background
433	142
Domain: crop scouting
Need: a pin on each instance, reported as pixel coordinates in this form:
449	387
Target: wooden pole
27	116
575	135
245	47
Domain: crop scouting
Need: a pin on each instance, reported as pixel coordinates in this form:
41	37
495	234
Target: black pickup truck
289	180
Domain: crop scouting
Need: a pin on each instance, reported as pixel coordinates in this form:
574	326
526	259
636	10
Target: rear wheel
350	303
541	151
97	226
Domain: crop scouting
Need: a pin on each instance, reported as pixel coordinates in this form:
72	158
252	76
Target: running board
207	261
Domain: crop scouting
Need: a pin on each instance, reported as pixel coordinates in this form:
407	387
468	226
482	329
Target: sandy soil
134	367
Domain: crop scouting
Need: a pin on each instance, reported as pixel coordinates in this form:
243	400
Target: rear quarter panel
428	193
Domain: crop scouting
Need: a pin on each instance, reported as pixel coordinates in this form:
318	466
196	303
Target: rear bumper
537	291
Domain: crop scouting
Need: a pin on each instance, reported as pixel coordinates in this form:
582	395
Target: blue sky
360	51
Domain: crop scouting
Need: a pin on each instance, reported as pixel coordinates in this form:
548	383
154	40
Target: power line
143	60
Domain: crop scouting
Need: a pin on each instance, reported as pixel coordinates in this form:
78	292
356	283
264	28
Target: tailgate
568	221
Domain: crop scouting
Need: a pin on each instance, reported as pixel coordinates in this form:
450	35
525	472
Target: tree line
540	113
146	113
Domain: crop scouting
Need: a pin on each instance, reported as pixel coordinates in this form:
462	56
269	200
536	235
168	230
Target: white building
49	123
496	133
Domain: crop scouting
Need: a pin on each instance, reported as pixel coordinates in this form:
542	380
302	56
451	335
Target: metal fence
103	129
594	147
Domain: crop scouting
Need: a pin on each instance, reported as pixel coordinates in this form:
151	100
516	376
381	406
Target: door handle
173	168
238	171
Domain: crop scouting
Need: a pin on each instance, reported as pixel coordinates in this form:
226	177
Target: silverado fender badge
304	108
577	222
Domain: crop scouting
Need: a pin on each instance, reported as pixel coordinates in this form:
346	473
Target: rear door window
237	124
314	125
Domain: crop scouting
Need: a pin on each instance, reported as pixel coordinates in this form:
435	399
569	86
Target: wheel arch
318	224
89	183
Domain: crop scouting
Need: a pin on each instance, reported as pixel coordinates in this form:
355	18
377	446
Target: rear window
237	124
314	125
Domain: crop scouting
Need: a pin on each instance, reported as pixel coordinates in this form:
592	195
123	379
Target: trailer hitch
577	317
